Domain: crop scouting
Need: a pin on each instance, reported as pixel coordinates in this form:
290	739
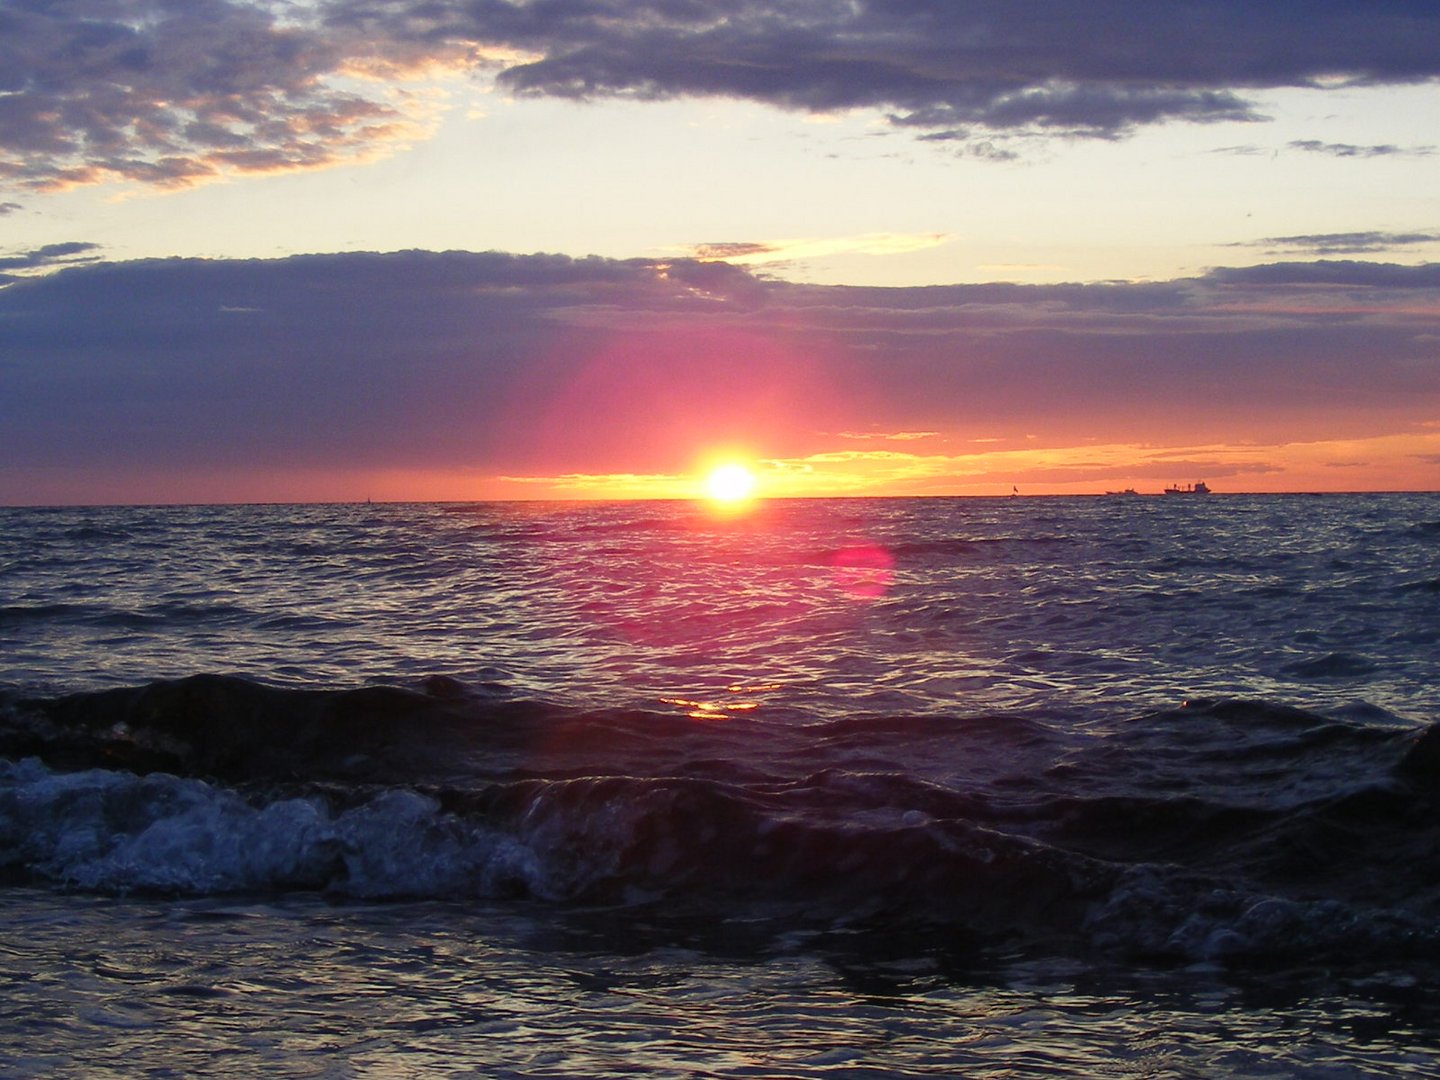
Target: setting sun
730	483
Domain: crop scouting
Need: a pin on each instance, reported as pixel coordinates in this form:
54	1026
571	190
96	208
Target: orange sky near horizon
1385	463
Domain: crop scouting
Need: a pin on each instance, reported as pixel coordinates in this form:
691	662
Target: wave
1336	665
235	729
685	849
1225	830
15	614
1429	585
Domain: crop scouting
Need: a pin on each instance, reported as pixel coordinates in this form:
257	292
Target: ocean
1026	787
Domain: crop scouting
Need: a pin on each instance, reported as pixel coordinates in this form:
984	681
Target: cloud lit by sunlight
1395	461
759	253
883	436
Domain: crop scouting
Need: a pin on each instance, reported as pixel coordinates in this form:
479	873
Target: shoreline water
251	987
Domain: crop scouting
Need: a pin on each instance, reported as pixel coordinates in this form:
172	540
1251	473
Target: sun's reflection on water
747	699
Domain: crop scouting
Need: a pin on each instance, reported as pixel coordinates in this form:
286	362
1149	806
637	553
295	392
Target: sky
331	250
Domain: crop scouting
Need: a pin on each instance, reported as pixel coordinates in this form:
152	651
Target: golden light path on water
731	492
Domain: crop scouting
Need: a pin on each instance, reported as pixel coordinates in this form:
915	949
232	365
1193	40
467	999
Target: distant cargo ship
1190	489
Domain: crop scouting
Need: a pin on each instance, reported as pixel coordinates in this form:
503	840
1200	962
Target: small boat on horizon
1198	488
1127	491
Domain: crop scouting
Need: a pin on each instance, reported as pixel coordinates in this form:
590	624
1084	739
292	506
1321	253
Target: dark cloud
164	93
46	258
9	208
521	363
1334	272
1351	243
1097	66
1094	66
968	144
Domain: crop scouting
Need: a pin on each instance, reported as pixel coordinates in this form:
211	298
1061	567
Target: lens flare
864	570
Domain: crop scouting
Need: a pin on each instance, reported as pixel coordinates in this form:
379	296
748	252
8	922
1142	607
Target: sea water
1129	787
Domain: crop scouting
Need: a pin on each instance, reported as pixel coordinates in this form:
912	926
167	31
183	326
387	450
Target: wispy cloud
604	485
1347	243
759	253
1329	149
1350	150
886	436
45	259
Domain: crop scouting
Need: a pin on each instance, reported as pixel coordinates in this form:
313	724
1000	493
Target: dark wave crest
1224	829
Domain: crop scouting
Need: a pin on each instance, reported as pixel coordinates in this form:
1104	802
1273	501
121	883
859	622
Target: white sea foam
114	831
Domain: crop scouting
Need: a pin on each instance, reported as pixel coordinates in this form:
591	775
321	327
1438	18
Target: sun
730	484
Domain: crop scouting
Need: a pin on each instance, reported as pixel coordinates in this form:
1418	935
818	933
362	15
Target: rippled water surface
829	606
1129	787
299	989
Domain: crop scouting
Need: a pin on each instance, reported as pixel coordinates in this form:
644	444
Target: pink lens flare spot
865	570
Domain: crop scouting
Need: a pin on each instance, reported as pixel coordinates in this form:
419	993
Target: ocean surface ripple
925	743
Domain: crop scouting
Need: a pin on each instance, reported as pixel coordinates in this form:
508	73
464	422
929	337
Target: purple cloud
167	94
1338	272
1350	243
49	257
1093	67
514	363
1351	150
171	94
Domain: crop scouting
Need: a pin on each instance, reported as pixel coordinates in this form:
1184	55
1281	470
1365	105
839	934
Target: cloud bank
168	94
544	365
